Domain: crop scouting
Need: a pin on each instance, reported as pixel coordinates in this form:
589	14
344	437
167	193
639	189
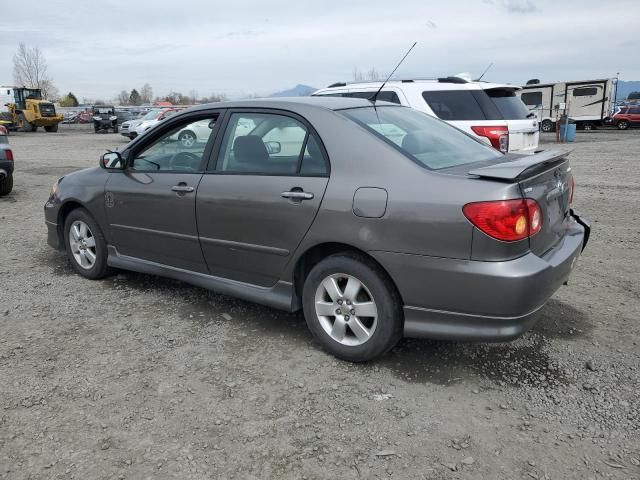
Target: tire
25	126
115	129
6	185
187	139
382	329
622	125
548	126
51	128
82	262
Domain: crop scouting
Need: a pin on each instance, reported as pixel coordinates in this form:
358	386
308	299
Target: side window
532	98
389	96
179	150
585	92
267	143
454	105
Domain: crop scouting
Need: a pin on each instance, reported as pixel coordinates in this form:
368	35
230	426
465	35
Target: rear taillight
9	155
498	136
506	220
572	187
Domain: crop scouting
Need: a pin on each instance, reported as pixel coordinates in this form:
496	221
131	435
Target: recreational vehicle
588	103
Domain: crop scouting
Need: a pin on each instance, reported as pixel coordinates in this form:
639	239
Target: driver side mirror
112	161
273	147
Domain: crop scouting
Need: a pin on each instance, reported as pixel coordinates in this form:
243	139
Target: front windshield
430	142
151	115
32	93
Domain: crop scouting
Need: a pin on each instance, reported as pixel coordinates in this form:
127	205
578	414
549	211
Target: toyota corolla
376	220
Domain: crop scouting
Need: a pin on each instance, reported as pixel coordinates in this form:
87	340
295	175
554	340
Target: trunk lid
544	177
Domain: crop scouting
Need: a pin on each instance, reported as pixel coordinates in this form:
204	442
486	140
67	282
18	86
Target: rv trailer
588	103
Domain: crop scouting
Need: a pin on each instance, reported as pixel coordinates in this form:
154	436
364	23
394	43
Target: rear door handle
182	188
297	195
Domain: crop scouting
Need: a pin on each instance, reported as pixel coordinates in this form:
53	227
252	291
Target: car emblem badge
108	199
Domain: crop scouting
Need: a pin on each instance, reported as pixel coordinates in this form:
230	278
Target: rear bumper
458	299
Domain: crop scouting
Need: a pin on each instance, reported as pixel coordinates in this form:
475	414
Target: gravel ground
139	377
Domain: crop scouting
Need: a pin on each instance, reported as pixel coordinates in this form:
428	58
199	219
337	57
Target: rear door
523	126
634	115
151	206
261	194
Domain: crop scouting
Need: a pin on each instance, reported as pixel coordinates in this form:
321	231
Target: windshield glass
151	115
428	141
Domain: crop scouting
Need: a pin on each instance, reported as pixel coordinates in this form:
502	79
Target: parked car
149	123
6	163
128	128
104	118
626	117
124	116
491	112
459	242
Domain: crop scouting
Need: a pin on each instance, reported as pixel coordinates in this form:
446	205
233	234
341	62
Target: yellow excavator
29	110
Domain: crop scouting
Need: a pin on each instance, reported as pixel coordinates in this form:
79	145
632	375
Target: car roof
293	103
450	83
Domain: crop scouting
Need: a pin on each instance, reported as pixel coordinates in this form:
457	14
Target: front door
260	196
150	206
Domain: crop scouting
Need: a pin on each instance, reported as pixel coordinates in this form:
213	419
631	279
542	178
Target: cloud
96	49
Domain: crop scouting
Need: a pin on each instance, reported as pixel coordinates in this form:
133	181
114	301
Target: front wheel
51	128
85	245
352	307
6	185
623	125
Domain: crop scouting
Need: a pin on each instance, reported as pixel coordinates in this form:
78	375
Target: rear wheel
588	126
548	126
623	125
115	129
51	128
85	245
352	307
6	185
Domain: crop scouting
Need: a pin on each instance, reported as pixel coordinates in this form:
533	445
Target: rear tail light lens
497	135
506	220
572	187
9	155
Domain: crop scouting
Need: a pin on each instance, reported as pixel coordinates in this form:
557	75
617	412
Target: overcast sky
97	48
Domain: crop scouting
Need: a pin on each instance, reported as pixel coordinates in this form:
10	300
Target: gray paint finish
236	234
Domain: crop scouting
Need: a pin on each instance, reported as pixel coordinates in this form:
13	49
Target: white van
491	112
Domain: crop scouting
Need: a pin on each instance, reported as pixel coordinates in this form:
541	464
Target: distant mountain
297	91
625	88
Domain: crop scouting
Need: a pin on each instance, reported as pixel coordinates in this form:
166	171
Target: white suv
491	112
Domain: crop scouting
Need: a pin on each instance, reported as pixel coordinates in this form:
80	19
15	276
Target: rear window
508	104
532	98
454	105
422	138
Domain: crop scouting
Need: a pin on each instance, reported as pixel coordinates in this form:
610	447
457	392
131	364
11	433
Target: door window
269	144
179	150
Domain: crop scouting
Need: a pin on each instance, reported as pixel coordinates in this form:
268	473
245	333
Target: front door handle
182	188
295	195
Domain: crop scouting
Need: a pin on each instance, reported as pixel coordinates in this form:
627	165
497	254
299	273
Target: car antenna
373	99
485	71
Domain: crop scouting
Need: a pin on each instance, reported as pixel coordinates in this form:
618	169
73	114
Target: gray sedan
376	220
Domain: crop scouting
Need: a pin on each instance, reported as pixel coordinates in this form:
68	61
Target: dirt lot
137	377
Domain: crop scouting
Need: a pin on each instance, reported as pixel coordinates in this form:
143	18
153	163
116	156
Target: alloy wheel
187	139
83	244
346	309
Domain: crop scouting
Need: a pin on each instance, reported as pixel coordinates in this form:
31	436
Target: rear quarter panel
424	208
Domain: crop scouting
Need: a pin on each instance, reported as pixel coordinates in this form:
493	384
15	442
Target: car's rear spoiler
515	169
